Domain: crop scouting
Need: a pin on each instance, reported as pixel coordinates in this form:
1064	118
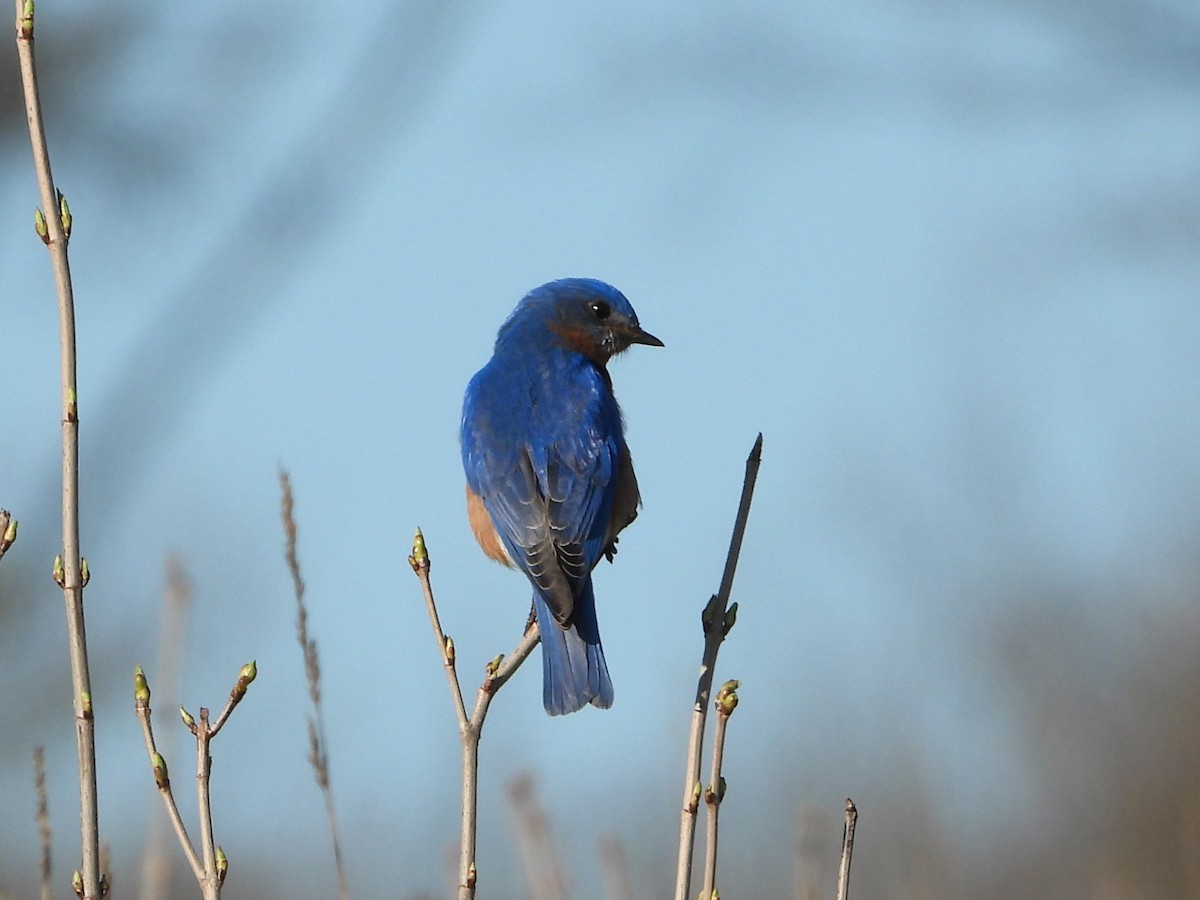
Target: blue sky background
944	256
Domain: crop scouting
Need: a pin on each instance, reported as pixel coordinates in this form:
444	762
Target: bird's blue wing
549	491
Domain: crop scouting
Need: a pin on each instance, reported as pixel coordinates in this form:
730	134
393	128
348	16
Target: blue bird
549	480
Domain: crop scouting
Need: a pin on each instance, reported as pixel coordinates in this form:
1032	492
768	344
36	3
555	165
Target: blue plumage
550	482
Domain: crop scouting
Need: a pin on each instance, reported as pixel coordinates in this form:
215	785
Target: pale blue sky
942	256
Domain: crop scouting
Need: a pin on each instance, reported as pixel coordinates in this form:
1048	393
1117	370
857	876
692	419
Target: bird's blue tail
573	669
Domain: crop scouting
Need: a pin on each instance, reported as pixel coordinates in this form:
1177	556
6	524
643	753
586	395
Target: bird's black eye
600	309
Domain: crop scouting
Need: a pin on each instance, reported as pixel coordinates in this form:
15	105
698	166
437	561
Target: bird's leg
611	550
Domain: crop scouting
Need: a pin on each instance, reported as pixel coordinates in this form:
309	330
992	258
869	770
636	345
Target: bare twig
53	224
843	882
43	821
716	620
156	862
318	745
8	531
725	704
497	673
210	865
210	886
420	564
543	868
141	700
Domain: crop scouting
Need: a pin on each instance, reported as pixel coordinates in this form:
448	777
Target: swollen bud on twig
64	214
420	553
8	531
85	704
72	405
85	574
727	698
694	803
471	875
103	886
711	608
188	720
160	772
449	650
714	796
39	225
494	666
246	675
77	883
222	865
60	574
25	32
141	689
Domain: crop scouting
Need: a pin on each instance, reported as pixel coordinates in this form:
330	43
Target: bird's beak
634	334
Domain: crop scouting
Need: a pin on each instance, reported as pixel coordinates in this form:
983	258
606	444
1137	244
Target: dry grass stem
843	882
716	621
615	870
45	835
497	673
53	225
811	845
318	745
543	867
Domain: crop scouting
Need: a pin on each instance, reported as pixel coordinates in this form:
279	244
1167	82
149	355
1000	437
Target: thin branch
209	886
497	673
420	565
53	224
210	865
500	670
725	704
843	882
43	820
716	620
246	675
156	862
158	765
318	755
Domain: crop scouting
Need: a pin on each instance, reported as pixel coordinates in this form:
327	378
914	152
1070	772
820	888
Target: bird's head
586	315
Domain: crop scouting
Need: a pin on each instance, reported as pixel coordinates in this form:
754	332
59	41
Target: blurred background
943	255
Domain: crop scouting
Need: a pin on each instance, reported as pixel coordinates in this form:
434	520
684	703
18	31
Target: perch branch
497	673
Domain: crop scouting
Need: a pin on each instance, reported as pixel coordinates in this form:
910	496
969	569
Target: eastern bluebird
549	480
